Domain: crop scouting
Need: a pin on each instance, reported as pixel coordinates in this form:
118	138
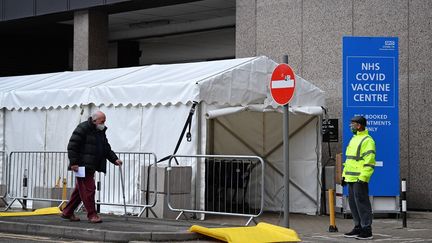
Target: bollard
332	227
98	188
25	189
404	204
64	194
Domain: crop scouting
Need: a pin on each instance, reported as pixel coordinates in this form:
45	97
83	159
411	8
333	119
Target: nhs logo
389	45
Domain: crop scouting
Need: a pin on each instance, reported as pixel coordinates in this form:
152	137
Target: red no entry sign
282	84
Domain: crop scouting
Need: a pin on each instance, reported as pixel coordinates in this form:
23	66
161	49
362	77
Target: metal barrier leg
250	220
23	203
153	212
141	212
255	222
180	214
10	204
79	208
147	208
62	205
4	201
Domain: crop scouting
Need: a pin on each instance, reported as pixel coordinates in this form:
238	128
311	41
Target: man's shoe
366	234
354	233
71	218
95	220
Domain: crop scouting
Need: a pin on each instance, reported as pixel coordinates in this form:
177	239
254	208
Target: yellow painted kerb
41	211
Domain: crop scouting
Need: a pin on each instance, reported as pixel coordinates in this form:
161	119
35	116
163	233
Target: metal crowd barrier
234	185
138	170
39	176
3	159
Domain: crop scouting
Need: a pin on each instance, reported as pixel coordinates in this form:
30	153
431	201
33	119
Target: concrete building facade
108	33
311	31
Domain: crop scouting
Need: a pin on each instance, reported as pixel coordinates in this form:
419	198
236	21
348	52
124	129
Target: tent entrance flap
260	133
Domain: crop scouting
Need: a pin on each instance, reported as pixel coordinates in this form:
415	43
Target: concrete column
245	28
90	49
418	129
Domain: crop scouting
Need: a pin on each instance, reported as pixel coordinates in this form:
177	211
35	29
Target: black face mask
353	130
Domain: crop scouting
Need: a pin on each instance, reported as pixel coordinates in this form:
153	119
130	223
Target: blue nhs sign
370	89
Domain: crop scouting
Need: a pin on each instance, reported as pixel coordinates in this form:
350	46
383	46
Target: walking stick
123	187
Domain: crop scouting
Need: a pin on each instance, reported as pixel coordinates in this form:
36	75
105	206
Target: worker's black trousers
360	204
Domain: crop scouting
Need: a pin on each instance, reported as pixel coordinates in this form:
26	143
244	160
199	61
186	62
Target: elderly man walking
88	147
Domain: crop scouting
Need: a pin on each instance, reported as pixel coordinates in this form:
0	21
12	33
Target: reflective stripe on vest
352	173
369	165
359	148
368	152
358	157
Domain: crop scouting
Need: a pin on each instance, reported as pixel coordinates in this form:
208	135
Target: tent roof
231	82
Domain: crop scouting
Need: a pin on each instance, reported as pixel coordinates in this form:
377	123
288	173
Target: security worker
358	169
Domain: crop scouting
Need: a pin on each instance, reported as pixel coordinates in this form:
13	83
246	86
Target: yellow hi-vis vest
360	158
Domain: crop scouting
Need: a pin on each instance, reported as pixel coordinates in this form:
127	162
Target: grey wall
310	32
198	46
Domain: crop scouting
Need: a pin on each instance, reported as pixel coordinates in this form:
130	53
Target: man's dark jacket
89	147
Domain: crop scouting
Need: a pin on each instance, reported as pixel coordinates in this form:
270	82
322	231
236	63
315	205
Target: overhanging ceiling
174	19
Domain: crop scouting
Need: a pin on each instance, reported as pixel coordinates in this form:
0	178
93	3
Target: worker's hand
74	168
118	162
343	181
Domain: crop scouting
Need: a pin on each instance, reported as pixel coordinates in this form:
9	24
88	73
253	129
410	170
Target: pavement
118	229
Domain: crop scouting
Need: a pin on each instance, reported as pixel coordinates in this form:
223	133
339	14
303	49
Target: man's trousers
359	203
84	191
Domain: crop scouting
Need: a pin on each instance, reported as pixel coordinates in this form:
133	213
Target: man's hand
118	162
74	168
343	181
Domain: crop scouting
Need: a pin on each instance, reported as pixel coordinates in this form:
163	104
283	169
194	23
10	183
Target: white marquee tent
235	115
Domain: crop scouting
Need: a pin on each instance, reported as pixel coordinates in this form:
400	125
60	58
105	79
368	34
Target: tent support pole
4	128
319	165
4	168
199	151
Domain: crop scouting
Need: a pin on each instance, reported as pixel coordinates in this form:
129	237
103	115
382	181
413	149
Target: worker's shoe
71	218
354	233
365	234
95	219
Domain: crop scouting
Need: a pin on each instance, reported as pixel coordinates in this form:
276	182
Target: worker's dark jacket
89	147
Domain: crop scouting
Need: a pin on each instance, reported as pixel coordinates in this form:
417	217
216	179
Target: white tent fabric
211	82
42	110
